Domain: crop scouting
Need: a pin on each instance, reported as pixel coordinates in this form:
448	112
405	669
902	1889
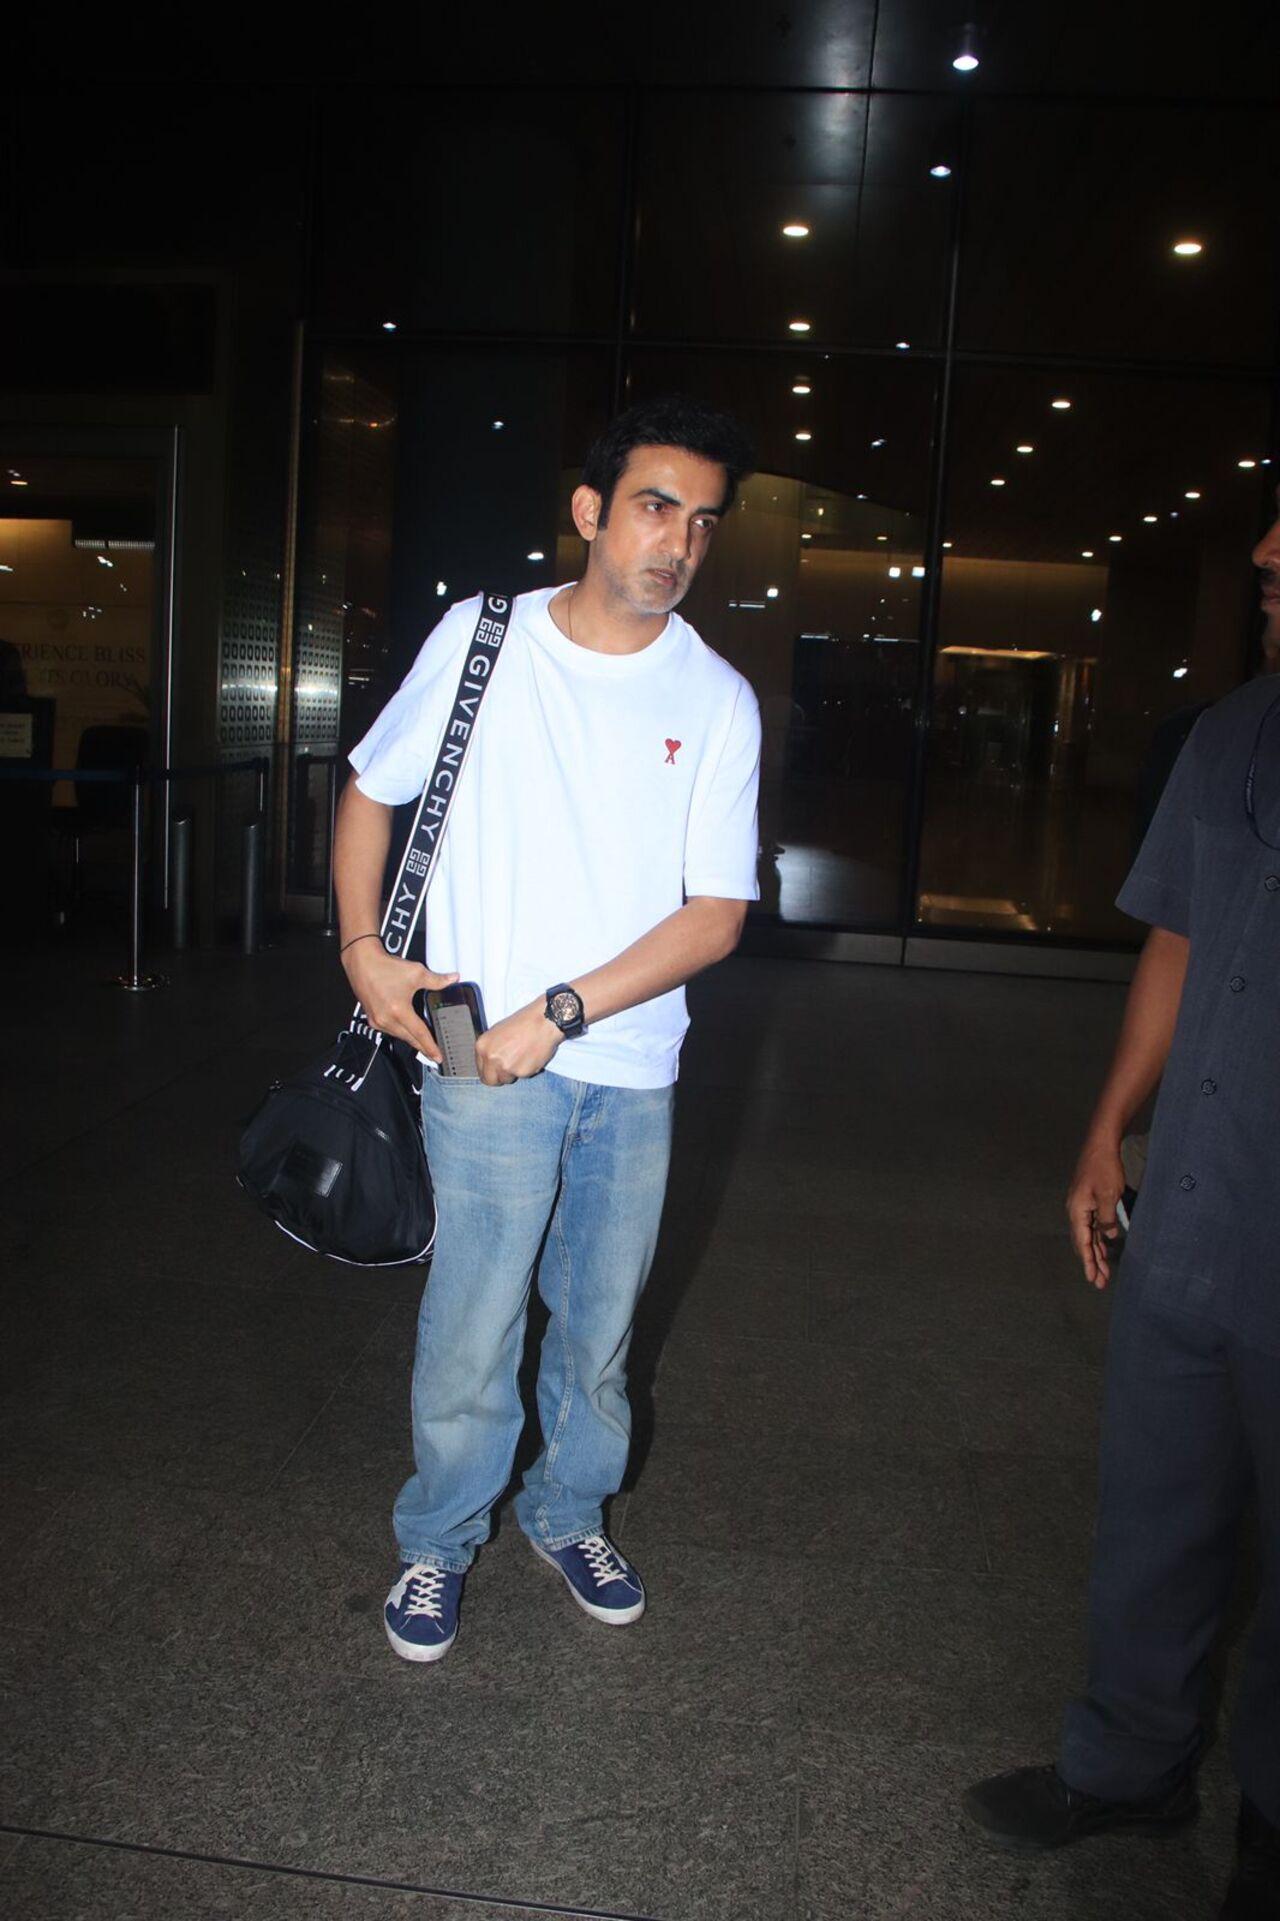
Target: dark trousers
1191	1426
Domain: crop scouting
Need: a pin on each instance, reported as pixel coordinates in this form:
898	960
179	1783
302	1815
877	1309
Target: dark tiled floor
866	1384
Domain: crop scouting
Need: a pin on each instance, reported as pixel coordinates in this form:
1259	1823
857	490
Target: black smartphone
455	1016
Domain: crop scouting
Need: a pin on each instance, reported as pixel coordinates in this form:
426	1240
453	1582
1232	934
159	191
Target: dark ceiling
1073	47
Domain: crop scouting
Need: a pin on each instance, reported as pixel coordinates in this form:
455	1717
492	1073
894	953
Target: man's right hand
1096	1186
385	987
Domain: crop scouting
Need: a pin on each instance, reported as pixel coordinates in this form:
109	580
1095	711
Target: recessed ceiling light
1086	553
1246	463
997	481
821	512
948	543
801	387
798	326
388	326
1149	520
1115	539
806	536
796	230
1024	447
804	434
882	536
536	554
941	172
965	62
1188	248
895	573
917	573
902	345
878	443
498	425
771	593
1096	614
19	483
1192	493
1179	673
1060	406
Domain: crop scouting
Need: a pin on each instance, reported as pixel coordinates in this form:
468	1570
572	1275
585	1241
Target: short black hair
671	421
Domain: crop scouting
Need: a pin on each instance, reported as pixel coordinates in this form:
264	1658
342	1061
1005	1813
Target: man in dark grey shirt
1191	1417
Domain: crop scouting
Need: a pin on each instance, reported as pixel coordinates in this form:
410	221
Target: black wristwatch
565	1011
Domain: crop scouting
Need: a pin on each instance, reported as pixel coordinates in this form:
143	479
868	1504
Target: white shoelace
603	1560
424	1587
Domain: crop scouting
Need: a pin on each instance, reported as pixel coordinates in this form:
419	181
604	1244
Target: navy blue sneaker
601	1580
421	1614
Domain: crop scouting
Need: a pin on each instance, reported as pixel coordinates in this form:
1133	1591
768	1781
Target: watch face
566	1009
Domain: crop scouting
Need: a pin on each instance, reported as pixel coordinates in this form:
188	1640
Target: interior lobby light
16	482
1192	493
895	573
902	345
941	172
1060	406
801	387
1188	249
442	589
798	326
997	481
103	561
1096	614
771	593
1246	463
796	230
882	536
948	543
917	573
1024	447
1149	520
1179	673
806	536
388	326
5	568
1086	553
1115	539
878	443
498	425
803	434
537	554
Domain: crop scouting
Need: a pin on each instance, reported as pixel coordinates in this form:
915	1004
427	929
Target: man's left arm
705	930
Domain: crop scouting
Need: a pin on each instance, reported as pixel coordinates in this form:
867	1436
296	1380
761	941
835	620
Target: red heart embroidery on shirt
673	748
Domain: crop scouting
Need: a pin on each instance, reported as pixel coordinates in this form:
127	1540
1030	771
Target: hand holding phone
456	1018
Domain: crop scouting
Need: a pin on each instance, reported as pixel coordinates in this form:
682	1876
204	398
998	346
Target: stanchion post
330	927
180	880
135	981
251	907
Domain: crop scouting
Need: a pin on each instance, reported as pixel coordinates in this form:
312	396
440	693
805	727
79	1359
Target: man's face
1266	558
664	510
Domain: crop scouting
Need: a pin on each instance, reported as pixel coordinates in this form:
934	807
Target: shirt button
1187	1182
1236	983
1271	883
1208	1087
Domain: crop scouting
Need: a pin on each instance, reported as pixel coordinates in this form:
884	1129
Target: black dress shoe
1033	1809
1254	1894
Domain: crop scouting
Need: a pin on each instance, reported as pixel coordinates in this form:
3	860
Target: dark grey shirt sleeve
1158	889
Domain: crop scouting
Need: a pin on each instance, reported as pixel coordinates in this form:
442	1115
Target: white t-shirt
600	790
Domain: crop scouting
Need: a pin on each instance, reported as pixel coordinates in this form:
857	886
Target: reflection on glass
1084	605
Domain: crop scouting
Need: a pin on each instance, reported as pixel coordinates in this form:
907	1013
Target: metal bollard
330	907
251	882
180	880
135	981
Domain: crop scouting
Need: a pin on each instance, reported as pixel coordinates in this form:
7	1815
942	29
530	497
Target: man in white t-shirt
601	850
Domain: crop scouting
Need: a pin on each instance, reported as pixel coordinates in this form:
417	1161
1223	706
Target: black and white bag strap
423	845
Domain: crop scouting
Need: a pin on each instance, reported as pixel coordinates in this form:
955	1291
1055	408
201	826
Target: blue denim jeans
584	1169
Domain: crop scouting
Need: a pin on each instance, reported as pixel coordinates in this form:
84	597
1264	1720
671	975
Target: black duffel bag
335	1156
335	1153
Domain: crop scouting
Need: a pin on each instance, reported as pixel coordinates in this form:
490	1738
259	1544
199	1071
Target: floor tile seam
482	1902
111	1118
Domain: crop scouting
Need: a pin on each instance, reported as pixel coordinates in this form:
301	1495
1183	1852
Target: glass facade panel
1072	215
721	176
1101	590
812	588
